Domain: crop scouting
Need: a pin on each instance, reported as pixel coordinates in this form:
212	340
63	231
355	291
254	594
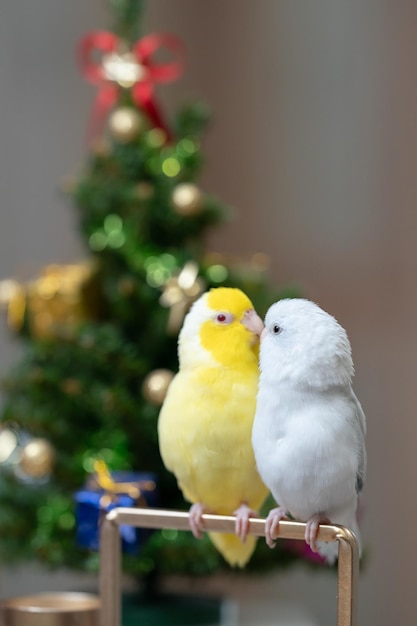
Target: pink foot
195	519
253	322
243	514
272	525
312	529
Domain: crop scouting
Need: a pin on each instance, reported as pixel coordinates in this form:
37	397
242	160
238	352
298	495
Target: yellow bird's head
221	328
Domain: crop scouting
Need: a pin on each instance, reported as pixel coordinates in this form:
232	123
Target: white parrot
309	429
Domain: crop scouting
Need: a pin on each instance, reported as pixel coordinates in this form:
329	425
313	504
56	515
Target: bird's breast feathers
305	448
205	433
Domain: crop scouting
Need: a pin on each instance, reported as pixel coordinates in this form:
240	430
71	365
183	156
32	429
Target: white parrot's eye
276	329
224	318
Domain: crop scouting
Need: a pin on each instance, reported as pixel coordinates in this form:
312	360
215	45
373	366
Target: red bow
132	69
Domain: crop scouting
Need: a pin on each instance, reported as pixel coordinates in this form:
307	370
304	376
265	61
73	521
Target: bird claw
272	525
312	529
243	515
195	519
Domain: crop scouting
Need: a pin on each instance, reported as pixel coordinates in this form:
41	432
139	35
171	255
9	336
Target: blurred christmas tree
101	336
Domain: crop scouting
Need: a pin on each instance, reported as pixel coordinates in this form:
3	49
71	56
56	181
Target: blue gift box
105	491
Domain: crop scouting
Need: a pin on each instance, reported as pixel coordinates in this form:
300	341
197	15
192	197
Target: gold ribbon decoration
104	480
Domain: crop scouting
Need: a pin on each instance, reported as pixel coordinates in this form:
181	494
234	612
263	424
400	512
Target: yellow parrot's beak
253	323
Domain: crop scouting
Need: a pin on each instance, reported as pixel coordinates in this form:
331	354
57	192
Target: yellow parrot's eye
224	318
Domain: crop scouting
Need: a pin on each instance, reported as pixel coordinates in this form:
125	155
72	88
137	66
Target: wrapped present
54	304
105	491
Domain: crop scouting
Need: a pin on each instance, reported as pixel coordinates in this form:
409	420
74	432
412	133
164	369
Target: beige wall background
314	141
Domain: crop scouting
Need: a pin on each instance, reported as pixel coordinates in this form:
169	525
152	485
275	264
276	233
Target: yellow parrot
205	423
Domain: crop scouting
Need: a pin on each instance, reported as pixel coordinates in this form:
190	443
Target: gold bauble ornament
179	292
8	444
126	123
155	385
187	199
101	148
126	286
144	191
260	261
37	458
71	386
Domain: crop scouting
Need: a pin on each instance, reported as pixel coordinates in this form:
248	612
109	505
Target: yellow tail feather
232	549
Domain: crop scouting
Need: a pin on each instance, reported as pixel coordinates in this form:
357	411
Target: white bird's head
304	344
216	330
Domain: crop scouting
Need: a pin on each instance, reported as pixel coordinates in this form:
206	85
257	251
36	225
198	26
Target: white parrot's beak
253	322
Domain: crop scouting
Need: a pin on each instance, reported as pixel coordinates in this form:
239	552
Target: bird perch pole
110	558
